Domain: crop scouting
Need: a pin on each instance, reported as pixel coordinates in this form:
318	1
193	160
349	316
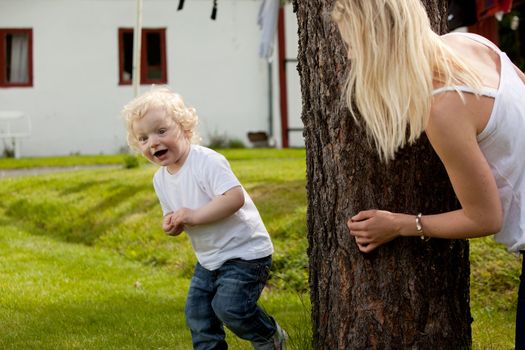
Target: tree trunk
409	293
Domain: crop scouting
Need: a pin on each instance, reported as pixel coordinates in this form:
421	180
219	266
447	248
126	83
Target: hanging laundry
488	8
214	10
461	13
267	21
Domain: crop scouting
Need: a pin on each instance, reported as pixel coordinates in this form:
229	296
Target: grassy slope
67	296
56	295
78	241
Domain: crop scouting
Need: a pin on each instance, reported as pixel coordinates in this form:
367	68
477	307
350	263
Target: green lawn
11	163
85	264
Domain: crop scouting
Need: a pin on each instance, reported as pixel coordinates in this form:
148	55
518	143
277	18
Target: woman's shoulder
451	125
464	113
472	47
446	108
468	39
478	54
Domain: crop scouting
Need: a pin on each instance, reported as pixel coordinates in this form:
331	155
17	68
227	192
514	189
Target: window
16	57
152	58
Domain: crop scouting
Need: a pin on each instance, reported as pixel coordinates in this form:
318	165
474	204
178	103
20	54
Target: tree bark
408	294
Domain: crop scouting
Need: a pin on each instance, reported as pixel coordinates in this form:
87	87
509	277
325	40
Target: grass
63	296
57	295
77	244
494	285
88	160
65	161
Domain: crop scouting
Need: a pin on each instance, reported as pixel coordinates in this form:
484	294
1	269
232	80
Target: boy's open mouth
160	153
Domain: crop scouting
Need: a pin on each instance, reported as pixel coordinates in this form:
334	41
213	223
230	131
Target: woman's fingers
363	240
355	227
364	214
371	228
367	248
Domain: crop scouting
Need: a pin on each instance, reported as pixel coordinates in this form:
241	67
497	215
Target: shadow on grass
63	219
84	186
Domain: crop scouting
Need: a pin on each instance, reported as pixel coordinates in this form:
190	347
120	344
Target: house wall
75	100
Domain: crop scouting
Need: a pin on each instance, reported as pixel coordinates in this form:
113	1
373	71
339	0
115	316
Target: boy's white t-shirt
205	175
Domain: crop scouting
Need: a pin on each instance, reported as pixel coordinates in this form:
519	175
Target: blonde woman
469	99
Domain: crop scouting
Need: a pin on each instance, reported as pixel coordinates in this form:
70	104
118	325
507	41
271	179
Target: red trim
121	32
143	61
3	58
30	58
283	92
144	64
143	55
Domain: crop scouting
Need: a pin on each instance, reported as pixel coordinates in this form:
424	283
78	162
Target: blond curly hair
171	102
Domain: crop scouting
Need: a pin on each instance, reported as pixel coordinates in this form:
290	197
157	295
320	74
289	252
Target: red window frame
3	56
143	56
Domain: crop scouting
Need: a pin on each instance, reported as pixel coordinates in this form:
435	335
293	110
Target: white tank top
503	144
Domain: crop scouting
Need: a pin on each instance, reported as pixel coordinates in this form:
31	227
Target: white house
66	64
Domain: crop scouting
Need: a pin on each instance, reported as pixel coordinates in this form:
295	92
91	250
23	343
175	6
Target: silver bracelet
419	228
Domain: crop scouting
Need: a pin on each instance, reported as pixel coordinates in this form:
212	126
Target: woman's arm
452	131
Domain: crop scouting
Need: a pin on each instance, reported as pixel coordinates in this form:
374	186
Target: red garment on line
488	8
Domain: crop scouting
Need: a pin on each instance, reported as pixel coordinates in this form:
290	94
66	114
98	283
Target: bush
131	161
218	141
236	143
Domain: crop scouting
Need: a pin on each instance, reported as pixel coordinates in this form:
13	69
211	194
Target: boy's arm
217	209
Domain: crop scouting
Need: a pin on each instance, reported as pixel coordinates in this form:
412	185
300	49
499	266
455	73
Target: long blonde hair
395	60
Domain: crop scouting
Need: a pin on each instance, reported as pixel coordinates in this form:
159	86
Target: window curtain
19	68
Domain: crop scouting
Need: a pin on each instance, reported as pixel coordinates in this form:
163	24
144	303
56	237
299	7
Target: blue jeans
228	296
520	311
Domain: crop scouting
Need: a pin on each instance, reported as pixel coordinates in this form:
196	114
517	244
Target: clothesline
267	21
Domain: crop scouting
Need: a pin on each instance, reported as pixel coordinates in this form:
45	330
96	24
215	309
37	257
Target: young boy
199	194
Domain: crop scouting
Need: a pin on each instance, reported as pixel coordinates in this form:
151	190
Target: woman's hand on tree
372	228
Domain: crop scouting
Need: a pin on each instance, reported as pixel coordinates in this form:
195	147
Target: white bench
14	125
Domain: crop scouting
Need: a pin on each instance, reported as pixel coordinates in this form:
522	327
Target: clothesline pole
137	49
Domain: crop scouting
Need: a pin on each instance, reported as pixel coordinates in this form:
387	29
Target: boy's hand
173	223
183	216
169	227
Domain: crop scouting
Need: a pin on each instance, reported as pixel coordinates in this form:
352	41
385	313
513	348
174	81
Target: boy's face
161	140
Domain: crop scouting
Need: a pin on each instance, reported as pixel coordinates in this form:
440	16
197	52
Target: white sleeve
218	174
160	195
